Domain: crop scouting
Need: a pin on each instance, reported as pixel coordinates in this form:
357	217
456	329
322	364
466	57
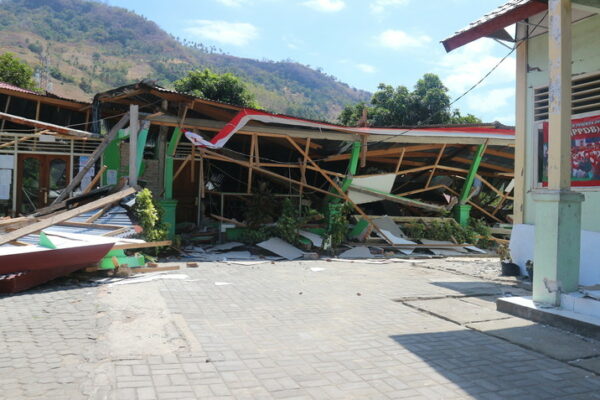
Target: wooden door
41	178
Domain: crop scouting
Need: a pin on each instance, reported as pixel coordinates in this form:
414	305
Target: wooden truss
427	160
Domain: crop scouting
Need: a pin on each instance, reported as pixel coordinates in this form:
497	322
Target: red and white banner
585	151
247	115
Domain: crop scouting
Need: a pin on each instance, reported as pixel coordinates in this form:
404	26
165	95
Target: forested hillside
81	47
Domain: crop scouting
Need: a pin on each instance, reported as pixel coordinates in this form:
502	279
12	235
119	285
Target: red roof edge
494	24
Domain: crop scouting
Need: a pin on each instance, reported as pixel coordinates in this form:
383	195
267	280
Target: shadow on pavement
484	367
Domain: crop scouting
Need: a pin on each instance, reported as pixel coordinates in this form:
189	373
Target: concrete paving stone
146	393
590	364
540	338
264	340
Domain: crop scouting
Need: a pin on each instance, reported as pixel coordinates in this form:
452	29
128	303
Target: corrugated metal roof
8	86
115	216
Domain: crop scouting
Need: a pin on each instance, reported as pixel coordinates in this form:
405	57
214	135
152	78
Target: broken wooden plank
229	221
13	142
92	159
64	216
155	269
44	125
398	199
127	246
94	181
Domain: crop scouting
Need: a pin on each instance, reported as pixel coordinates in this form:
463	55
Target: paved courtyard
288	330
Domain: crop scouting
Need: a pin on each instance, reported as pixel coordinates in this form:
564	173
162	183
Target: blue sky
361	42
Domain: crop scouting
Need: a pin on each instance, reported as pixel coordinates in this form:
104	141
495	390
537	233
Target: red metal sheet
506	15
28	269
53	258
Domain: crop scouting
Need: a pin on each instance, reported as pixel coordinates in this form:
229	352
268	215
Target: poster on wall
585	151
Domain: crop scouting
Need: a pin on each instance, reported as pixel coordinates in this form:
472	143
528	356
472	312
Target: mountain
82	47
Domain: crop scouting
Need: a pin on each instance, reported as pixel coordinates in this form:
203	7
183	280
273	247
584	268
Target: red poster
585	151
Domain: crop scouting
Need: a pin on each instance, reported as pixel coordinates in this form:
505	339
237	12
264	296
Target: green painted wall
586	59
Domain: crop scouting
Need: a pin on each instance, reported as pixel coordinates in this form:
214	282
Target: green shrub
149	214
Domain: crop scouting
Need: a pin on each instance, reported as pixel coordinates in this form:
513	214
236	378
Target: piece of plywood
226	246
382	183
389	225
357	252
315	239
396	240
440	247
281	248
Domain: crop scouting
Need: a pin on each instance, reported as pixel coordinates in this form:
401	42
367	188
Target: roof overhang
495	22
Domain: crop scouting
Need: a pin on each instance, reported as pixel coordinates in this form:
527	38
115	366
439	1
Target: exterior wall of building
586	59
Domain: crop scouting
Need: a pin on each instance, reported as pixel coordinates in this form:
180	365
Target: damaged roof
46	97
203	114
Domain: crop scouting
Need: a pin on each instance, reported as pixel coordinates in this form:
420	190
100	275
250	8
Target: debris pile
90	231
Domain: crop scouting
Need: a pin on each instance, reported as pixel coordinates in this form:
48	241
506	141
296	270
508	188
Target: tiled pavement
269	331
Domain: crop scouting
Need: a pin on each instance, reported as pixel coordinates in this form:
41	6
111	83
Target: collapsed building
68	169
228	150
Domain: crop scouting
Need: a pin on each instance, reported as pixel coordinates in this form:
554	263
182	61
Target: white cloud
491	100
232	3
369	69
396	39
379	6
464	67
293	42
325	5
235	33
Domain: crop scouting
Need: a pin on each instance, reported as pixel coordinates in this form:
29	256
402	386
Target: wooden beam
201	178
251	160
340	191
312	145
499	153
399	161
398	199
64	216
215	156
193	164
94	181
495	167
182	166
394	151
229	221
304	163
99	213
437	161
44	125
92	159
128	246
134	124
8	98
89	225
425	189
13	142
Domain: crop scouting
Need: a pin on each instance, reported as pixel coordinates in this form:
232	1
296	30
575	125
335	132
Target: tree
16	72
227	87
427	104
